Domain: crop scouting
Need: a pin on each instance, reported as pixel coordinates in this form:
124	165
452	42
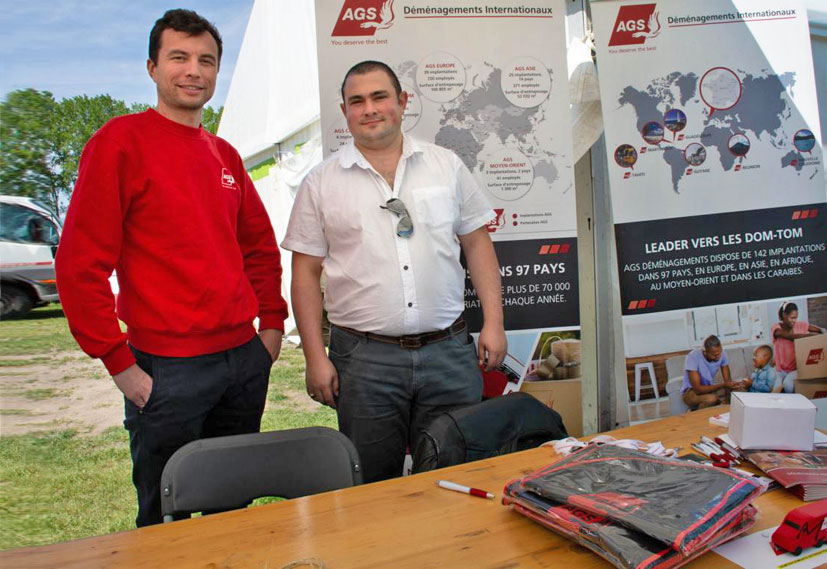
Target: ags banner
716	172
487	80
716	168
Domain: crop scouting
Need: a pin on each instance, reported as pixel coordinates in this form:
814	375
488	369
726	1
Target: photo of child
764	376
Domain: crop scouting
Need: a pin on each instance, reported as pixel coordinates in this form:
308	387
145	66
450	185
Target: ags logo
497	223
815	356
635	24
228	180
364	17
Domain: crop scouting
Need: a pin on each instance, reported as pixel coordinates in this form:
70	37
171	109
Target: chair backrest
675	366
225	473
506	424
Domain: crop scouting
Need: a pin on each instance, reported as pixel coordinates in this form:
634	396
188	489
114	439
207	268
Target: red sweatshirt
173	210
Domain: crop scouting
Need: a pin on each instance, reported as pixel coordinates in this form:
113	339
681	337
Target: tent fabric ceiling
275	87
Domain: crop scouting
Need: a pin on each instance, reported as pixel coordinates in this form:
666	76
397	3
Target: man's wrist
492	322
315	357
118	359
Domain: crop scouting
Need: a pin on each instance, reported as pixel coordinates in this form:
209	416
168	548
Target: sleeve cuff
476	222
271	321
118	359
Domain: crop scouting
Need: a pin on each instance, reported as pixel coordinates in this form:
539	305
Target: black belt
412	341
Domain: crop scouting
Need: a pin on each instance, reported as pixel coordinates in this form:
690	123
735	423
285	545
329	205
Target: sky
96	47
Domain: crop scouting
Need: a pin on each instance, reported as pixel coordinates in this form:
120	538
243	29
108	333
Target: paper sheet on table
721	420
819	440
754	551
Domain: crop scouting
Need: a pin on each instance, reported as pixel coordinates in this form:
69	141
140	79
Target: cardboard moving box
564	396
812	388
811	357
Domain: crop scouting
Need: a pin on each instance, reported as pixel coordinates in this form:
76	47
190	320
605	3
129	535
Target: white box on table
772	421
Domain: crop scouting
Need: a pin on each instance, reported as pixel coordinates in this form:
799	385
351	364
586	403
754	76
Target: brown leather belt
413	341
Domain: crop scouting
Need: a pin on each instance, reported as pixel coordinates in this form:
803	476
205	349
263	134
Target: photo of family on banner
551	355
557	357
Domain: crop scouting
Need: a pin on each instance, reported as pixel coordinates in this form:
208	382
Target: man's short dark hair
367	67
185	21
711	341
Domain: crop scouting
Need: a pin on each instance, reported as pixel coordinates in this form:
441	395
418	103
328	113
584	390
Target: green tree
210	118
26	145
76	120
41	140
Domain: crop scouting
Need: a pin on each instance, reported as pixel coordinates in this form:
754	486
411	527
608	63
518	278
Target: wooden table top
403	523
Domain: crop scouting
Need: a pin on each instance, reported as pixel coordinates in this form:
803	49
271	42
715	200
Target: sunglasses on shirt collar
405	226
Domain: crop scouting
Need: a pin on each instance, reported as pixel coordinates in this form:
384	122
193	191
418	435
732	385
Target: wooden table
404	523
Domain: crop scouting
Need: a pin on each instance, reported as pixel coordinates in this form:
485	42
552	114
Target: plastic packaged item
679	503
623	547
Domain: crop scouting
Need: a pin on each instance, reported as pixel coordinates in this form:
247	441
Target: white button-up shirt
377	281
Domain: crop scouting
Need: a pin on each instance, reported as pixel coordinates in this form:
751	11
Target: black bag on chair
506	424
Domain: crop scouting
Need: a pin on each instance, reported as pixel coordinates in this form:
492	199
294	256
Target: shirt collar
350	155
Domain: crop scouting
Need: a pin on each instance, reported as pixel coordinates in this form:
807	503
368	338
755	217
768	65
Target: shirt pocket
435	207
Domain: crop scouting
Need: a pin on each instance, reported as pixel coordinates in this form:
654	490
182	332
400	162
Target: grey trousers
389	394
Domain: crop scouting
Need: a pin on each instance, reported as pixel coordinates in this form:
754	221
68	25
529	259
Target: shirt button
405	267
410	304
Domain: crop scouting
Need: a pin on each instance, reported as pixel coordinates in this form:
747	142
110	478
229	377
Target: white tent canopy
274	91
274	94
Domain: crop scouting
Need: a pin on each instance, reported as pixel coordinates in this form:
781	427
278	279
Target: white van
29	234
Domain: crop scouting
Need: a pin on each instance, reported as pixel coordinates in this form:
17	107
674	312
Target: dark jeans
192	398
388	394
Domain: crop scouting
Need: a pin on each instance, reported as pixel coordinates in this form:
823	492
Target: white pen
464	489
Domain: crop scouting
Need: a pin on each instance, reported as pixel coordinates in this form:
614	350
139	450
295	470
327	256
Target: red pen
464	489
726	447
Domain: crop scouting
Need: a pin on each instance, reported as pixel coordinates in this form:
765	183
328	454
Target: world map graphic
481	118
732	111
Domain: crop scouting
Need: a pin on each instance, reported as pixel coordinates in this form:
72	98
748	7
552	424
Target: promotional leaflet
488	81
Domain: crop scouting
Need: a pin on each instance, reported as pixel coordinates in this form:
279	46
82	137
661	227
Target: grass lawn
62	485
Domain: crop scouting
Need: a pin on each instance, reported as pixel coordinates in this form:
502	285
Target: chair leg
637	383
651	368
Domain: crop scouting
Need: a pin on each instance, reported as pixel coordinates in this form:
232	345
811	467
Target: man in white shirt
386	217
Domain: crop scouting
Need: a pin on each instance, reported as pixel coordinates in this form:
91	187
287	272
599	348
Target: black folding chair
502	425
226	473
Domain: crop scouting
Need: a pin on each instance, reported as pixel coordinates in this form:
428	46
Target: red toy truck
802	528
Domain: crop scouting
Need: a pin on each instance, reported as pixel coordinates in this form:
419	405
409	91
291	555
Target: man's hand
492	346
322	381
135	385
734	385
271	338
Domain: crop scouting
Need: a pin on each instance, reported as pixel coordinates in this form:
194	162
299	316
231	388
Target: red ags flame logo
498	222
815	356
635	24
364	17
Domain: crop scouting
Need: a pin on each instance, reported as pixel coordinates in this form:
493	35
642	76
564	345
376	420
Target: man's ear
403	100
150	68
344	110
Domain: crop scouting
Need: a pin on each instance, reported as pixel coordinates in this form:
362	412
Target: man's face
713	354
186	71
373	110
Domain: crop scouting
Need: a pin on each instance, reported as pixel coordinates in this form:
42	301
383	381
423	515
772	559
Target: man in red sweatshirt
172	209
